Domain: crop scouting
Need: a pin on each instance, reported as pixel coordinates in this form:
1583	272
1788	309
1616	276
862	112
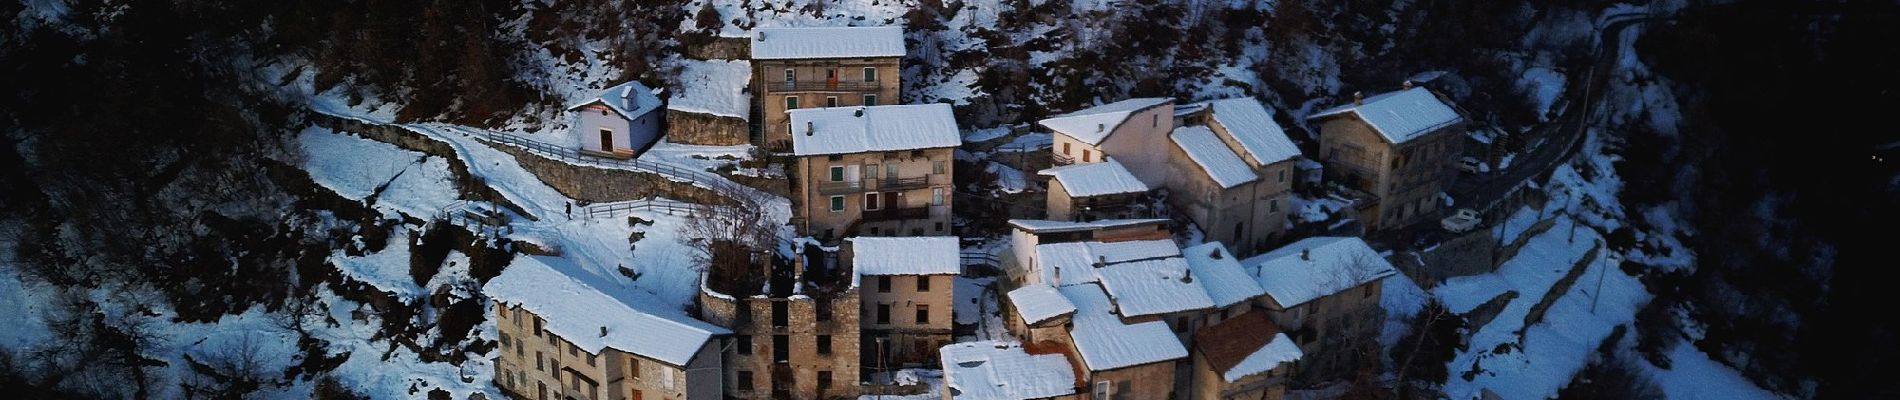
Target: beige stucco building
811	67
906	288
1397	149
1243	358
1130	131
874	171
1231	172
560	339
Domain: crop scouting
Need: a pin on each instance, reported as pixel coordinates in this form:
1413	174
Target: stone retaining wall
705	129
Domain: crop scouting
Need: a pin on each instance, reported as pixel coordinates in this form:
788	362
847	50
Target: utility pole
1599	292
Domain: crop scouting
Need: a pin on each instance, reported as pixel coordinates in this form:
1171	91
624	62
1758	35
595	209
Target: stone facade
1062	207
1250	217
716	48
1136	143
788	84
891	311
1146	381
1404	179
536	364
705	129
1209	385
1337	331
785	347
857	194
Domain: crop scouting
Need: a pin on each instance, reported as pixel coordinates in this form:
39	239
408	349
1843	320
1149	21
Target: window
938	167
870	171
517	317
831	74
884	284
824	380
936	196
1273	205
1157	120
923	283
822	308
831	101
837	204
791	75
940	226
870	201
539	362
537	326
1103	390
1065	148
554	365
791	102
1283	176
542	389
554	342
745	344
518	346
638	396
590	360
870	99
883	313
923	314
510	376
824	344
573	351
837	173
1085	156
1180	324
574	380
745	381
1368	291
633	368
870	74
504	340
503	310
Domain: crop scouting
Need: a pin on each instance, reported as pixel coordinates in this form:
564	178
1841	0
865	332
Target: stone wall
706	129
752	318
599	185
718	48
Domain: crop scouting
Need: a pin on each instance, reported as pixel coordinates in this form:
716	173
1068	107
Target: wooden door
606	140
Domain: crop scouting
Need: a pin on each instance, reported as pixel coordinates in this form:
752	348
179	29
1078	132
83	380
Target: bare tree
744	225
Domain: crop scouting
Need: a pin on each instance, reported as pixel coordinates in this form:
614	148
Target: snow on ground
1693	376
387	270
1028	142
1402	299
985	134
1545	86
25	302
932	378
400	180
976	304
1316	209
1008	180
715	87
703	158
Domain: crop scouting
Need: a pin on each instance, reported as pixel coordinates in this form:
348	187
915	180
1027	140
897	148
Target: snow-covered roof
577	312
1245	345
1219	272
1047	226
630	99
1399	116
1208	151
993	370
1074	262
1096	179
1154	286
1252	125
933	255
827	42
1037	302
1106	343
715	87
1092	125
858	129
1315	267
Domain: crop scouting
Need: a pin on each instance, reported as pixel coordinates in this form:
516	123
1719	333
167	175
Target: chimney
1358	98
1188	277
1101	261
1100	127
1214	254
808	128
859	113
1058	278
761	36
603	331
1407	84
1306	254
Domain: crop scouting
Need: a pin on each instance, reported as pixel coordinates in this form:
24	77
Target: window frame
837	203
870	74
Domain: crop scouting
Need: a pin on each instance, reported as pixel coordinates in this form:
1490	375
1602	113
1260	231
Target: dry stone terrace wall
601	185
706	129
466	185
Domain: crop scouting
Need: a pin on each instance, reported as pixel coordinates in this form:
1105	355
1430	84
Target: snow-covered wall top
858	129
714	87
1096	179
1399	116
935	255
1252	125
827	42
1092	125
1315	267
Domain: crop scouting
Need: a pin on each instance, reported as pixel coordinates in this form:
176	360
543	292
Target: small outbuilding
620	123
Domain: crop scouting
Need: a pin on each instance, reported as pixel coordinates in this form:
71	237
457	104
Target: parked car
1460	221
1470	166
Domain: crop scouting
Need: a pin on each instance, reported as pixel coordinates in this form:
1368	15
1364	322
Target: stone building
1324	291
1397	150
993	370
1231	171
796	68
711	103
906	287
1027	234
1244	358
1095	191
795	328
1129	130
621	122
873	171
562	339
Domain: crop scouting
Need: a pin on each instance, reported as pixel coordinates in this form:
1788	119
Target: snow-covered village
946	199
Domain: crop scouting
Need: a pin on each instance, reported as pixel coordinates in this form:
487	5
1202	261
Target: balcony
904	183
1060	160
897	213
840	187
825	86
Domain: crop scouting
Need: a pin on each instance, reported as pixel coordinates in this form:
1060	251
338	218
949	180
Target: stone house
1243	358
1397	150
1130	130
711	103
993	370
794	328
796	68
1231	171
562	339
1095	191
621	122
1324	291
1027	234
873	171
906	288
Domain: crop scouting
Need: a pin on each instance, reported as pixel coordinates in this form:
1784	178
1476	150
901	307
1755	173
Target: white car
1460	221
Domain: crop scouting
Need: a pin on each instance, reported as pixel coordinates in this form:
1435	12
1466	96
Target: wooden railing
1060	160
904	183
827	86
896	213
840	187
